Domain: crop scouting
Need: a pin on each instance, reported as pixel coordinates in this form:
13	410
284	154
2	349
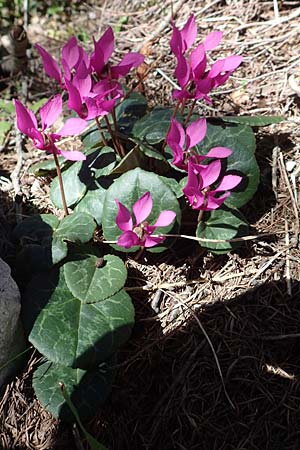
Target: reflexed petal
214	202
97	58
232	62
195	133
218	152
176	133
123	219
176	43
127	63
74	101
51	111
181	94
228	182
142	207
198	61
212	40
210	173
178	155
72	155
165	218
182	71
51	67
151	241
128	239
189	33
194	183
70	52
26	120
107	43
73	127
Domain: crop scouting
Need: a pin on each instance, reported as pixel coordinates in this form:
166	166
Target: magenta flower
199	191
182	40
177	137
49	113
72	55
140	232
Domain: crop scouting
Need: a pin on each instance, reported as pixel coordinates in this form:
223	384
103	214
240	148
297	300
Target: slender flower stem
173	115
61	185
200	215
190	113
110	130
100	131
120	146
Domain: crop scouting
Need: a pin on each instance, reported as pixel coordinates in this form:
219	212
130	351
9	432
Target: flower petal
195	133
51	67
75	100
26	120
176	133
215	202
165	218
212	40
72	155
198	61
228	182
51	111
218	152
70	52
128	61
189	32
210	173
142	207
123	219
151	241
128	239
72	127
182	71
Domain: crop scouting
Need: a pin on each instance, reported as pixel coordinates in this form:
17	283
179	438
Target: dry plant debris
214	360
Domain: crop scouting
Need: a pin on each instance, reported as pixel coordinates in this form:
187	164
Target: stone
12	341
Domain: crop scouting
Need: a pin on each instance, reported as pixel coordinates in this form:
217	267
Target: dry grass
214	358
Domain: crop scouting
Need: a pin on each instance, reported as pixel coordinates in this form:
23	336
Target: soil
216	363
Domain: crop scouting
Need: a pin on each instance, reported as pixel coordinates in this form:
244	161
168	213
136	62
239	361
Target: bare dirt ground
216	365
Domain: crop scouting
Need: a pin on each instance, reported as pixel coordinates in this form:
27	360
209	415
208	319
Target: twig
288	261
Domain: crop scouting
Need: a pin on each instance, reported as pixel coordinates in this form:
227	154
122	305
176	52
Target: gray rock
11	334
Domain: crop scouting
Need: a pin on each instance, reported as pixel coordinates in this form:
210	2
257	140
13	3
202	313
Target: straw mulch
214	359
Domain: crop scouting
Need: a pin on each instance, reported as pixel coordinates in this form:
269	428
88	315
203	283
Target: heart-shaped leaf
240	139
153	127
70	332
222	224
47	166
91	279
88	389
128	189
74	188
78	227
129	111
92	203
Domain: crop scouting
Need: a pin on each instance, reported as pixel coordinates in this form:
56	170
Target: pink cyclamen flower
199	191
43	140
182	40
139	233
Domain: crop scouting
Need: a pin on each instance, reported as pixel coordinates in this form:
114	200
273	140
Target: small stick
61	185
288	261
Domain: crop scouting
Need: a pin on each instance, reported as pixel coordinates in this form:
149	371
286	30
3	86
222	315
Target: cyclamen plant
136	172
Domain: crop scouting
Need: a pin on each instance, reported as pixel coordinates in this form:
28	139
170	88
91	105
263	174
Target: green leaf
129	111
224	224
254	121
7	106
240	139
128	189
174	185
70	332
82	175
78	228
37	105
153	127
91	282
46	166
74	187
43	238
144	158
92	203
88	389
